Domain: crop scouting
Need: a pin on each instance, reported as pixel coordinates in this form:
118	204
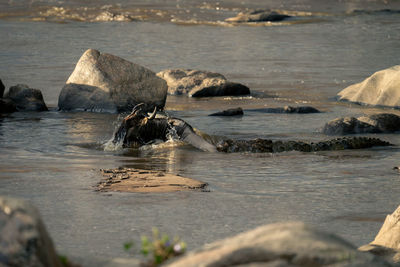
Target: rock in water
7	106
106	83
2	88
25	98
197	83
258	16
380	89
377	123
24	240
287	109
229	112
279	244
387	241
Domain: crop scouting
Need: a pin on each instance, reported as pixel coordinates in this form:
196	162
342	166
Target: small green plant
65	262
160	248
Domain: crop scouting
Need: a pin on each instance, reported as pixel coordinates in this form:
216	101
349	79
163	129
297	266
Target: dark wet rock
387	241
196	83
380	89
258	16
378	123
270	146
24	240
25	98
2	88
279	244
106	83
7	105
287	109
229	112
374	12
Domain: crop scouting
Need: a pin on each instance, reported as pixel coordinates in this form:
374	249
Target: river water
53	158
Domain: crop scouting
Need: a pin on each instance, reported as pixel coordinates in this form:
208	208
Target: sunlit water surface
53	158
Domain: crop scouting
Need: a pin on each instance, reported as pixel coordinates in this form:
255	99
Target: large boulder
380	89
387	241
25	98
24	240
197	83
258	15
280	244
106	83
377	123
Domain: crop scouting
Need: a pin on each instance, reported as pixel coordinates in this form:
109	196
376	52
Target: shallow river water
53	158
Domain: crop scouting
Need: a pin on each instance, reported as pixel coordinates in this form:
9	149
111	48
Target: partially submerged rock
387	241
385	11
7	106
106	83
380	89
377	123
279	244
26	98
270	146
2	88
144	181
229	112
196	83
258	15
24	240
287	109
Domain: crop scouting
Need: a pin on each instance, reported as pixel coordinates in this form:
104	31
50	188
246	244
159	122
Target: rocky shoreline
25	242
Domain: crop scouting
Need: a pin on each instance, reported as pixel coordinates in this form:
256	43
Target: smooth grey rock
380	89
287	109
24	240
279	244
2	88
25	98
377	123
229	112
197	83
387	241
258	16
106	83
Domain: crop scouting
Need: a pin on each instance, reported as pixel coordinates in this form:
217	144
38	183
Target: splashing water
112	145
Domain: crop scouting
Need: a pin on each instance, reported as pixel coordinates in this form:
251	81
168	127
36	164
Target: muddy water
53	158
